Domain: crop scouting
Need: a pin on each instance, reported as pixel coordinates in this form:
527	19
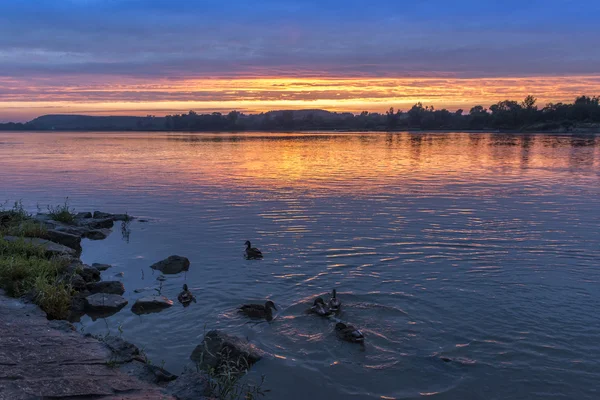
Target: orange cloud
20	99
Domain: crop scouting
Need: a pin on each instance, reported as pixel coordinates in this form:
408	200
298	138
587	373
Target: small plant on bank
10	218
62	213
225	383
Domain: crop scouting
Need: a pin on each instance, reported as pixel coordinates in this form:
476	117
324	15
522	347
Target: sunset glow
23	100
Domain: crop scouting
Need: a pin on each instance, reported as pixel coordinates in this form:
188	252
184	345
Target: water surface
483	248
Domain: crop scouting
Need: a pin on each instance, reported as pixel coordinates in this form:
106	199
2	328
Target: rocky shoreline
46	358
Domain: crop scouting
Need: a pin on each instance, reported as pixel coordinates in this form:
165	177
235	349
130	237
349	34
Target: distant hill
581	116
86	122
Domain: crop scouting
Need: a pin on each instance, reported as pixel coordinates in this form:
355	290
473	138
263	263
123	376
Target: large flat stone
39	361
172	265
151	304
104	302
66	239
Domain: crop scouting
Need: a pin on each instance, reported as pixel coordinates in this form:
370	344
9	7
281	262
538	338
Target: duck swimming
320	308
334	304
186	297
252	253
259	311
348	333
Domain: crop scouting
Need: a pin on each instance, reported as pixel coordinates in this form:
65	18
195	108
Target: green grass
24	268
62	213
226	381
13	216
28	228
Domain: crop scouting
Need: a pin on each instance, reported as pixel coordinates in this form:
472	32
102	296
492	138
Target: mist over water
483	248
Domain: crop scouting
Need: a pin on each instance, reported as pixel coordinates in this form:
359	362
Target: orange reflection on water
319	164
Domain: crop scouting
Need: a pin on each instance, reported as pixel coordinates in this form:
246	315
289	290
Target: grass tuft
62	213
225	381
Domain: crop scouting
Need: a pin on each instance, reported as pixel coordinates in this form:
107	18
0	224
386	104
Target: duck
320	308
252	253
334	304
259	311
349	333
186	297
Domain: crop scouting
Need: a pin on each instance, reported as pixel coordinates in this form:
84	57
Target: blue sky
352	37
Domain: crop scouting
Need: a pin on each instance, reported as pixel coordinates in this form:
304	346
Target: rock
51	248
122	351
148	373
101	215
101	302
119	274
191	385
105	223
83	215
151	304
78	283
101	267
89	274
77	309
110	287
172	265
218	348
96	234
114	217
142	290
66	239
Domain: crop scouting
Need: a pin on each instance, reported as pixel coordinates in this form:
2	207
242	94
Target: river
480	247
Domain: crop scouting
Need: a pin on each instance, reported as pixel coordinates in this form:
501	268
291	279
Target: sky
139	57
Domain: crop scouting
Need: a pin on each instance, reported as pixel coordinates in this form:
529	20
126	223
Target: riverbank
42	354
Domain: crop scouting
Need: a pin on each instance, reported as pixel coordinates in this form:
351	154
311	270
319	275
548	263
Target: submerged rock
51	248
151	304
218	348
101	267
103	302
105	223
114	217
110	287
96	234
172	265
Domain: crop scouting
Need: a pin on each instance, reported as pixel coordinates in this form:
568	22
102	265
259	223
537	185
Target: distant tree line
504	115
